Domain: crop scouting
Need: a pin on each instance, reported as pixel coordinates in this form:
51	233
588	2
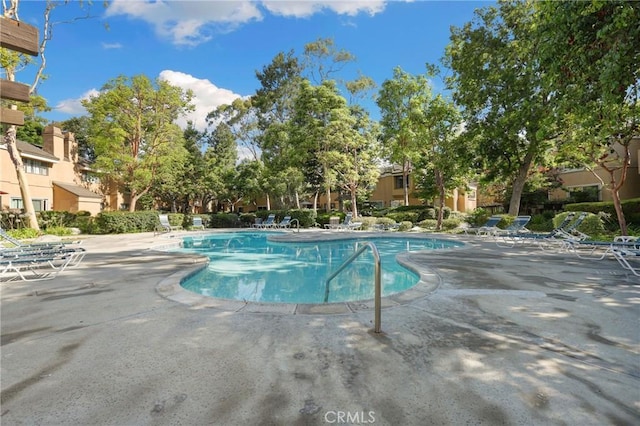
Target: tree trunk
354	203
297	200
405	182
518	184
441	192
25	191
328	209
268	202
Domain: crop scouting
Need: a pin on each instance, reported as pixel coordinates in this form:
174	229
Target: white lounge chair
348	223
196	223
38	264
490	225
165	225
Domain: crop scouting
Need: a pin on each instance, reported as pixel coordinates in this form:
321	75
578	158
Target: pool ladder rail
377	278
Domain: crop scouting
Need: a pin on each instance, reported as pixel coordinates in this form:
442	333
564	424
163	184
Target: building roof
77	190
28	150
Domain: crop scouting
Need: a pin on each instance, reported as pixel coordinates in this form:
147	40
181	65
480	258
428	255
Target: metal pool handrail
297	224
377	276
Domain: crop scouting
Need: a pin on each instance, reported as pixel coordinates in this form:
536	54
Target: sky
214	48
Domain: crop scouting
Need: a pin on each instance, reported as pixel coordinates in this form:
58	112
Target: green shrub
55	219
405	226
630	208
125	222
409	216
23	233
429	224
58	230
224	220
478	217
369	222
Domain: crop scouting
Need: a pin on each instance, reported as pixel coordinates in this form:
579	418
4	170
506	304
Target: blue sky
215	47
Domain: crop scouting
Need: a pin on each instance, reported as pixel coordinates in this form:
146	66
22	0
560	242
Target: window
581	194
397	182
39	204
35	167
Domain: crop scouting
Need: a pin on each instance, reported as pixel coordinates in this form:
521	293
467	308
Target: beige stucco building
56	177
590	183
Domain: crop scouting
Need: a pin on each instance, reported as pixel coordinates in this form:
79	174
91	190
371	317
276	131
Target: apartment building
58	179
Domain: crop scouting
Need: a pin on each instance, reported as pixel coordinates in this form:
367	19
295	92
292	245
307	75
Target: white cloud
206	96
188	22
74	106
306	8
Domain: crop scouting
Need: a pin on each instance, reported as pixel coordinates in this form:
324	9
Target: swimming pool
249	266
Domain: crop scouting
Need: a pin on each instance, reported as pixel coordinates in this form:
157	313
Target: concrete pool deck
502	336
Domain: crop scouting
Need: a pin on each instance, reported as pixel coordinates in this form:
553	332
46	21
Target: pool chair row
38	262
555	239
270	223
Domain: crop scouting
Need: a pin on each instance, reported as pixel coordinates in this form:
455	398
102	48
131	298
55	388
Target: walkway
505	336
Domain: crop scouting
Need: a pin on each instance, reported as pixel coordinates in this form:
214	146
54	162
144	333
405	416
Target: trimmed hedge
126	222
630	208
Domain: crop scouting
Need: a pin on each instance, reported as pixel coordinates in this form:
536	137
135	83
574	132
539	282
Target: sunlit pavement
492	336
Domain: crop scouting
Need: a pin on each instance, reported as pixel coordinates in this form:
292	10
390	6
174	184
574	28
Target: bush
409	216
60	231
23	233
630	208
125	222
224	220
55	219
405	226
478	217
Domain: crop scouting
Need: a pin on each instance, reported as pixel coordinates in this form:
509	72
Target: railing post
377	278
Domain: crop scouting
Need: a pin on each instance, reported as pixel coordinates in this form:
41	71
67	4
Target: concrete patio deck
494	336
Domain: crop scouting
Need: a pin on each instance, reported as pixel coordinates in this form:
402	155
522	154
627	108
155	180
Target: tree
399	99
134	132
591	51
498	80
219	162
442	163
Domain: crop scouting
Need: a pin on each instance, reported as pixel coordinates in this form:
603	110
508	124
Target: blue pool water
247	266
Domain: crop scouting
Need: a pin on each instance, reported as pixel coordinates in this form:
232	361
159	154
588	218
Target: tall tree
442	164
498	81
134	132
400	99
591	51
322	128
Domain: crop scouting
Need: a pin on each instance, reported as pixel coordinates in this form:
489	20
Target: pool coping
170	287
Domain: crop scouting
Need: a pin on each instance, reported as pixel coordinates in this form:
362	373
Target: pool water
247	266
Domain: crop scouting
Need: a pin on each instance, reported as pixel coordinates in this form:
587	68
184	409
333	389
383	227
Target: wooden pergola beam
14	91
11	116
18	36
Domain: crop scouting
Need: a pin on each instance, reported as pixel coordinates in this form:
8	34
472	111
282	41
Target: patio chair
270	222
490	225
598	250
196	223
516	229
257	223
348	223
334	223
38	264
165	225
572	232
284	223
628	258
543	240
38	244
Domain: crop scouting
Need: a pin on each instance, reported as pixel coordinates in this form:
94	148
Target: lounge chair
17	244
284	223
270	222
572	232
257	223
629	258
38	264
543	240
597	250
334	223
504	237
165	225
490	225
348	224
196	223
